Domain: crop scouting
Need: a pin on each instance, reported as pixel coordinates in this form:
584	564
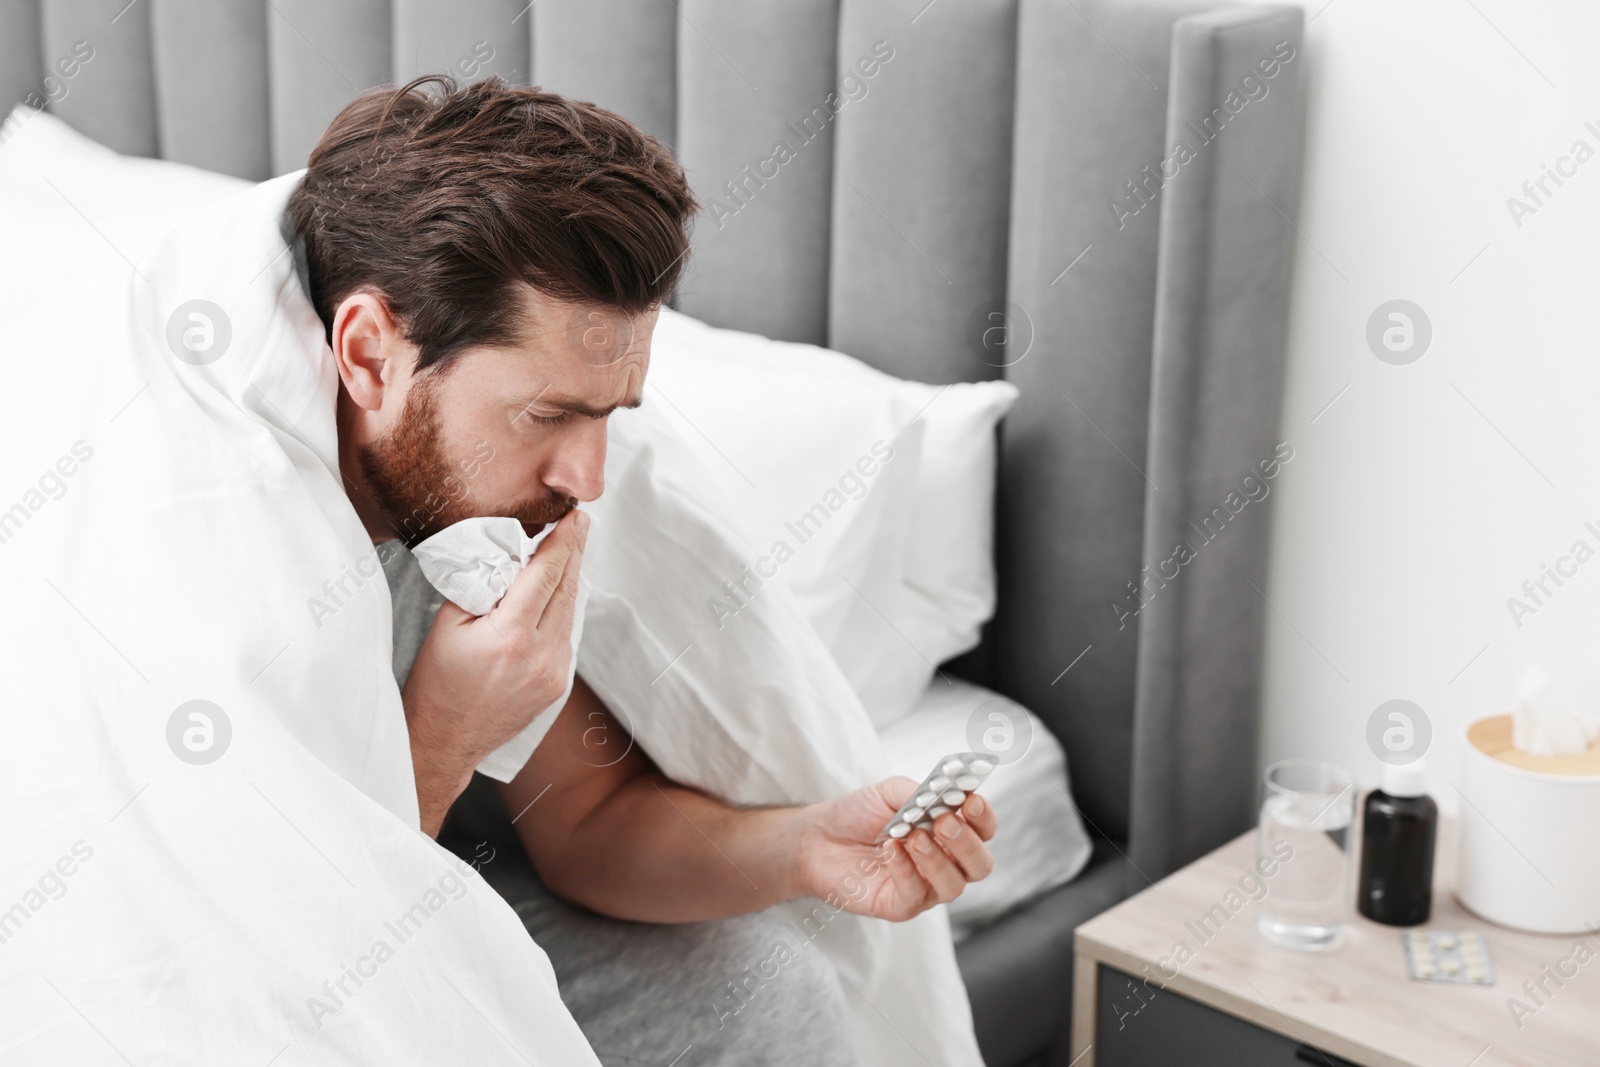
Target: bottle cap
1405	780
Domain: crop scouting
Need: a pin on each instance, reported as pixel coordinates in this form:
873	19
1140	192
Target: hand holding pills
895	849
944	789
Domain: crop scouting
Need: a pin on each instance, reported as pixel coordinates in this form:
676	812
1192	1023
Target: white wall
1407	518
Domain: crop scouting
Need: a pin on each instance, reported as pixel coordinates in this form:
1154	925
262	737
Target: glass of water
1303	840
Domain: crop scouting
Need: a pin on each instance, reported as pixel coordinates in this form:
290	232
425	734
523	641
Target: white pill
953	798
1477	974
1446	940
953	766
939	784
935	812
899	829
911	814
981	766
968	782
1449	966
925	799
1425	970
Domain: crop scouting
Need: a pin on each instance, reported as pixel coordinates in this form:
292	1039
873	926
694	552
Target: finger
560	612
896	791
980	815
944	878
449	614
535	585
962	844
909	885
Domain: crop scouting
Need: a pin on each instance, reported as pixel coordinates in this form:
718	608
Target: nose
579	465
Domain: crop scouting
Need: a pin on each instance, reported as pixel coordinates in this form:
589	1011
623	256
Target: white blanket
243	880
177	520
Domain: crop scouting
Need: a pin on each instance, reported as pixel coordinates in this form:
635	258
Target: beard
419	491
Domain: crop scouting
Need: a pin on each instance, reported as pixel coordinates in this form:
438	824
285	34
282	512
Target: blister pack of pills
946	788
1443	956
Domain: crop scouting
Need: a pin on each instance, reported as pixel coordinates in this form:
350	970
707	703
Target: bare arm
605	829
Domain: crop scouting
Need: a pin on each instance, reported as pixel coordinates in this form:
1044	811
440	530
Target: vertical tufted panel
321	56
755	134
620	54
1220	326
113	97
21	68
1091	110
469	39
922	184
211	83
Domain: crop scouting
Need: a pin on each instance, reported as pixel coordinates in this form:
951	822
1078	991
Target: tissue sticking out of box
1543	722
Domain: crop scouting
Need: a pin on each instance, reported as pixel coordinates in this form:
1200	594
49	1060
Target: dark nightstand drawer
1143	1026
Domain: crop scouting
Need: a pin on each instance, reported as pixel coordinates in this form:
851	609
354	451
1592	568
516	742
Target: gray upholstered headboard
985	151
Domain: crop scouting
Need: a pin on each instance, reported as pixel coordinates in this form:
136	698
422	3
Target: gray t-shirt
416	602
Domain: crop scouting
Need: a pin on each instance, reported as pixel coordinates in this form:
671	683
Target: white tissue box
1529	856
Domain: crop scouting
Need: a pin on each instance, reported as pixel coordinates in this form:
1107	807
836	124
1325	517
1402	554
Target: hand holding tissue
473	563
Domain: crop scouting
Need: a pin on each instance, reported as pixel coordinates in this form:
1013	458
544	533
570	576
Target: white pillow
901	580
758	712
117	205
949	568
823	483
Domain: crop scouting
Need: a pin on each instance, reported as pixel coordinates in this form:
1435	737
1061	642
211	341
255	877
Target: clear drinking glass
1303	840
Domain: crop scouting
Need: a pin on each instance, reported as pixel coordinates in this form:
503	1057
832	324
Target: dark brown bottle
1399	823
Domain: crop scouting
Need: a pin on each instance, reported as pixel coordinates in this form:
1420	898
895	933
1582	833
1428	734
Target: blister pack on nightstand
1443	956
945	788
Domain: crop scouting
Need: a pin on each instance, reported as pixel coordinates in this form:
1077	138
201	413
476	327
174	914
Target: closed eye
559	418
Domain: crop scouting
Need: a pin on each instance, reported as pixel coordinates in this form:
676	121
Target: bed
1013	165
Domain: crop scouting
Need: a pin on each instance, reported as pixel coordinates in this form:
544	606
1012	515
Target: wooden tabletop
1358	1000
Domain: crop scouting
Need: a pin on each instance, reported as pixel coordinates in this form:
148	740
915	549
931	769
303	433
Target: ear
369	350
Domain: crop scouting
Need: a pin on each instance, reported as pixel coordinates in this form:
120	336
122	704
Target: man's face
507	431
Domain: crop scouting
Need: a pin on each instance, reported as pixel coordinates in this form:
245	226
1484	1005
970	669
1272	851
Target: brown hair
445	198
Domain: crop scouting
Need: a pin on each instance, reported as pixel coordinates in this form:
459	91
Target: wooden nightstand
1240	1001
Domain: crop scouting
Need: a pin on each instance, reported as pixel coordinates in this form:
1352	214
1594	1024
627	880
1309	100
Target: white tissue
1543	723
473	563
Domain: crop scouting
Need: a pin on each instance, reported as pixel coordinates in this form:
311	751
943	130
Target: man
489	263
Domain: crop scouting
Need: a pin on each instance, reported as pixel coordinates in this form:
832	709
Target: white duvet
208	827
248	886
